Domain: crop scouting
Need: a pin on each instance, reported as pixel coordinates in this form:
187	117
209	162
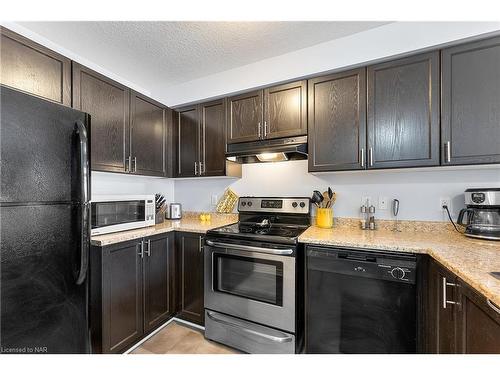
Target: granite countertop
470	259
189	223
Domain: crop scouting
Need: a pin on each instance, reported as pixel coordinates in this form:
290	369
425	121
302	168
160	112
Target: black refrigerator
44	225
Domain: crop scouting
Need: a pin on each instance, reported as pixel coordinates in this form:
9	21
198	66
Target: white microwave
114	213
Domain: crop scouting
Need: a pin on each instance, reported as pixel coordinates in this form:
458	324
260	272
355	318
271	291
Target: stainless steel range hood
268	150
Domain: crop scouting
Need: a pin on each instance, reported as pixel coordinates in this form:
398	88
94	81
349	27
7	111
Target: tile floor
178	338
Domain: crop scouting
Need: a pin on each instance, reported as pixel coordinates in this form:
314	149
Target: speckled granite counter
189	223
470	259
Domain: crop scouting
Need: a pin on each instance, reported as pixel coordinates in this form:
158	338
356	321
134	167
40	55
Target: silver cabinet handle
493	306
201	244
141	253
129	163
445	301
148	251
202	168
218	319
370	156
362	157
265	129
447	151
250	248
195	168
259	129
135	164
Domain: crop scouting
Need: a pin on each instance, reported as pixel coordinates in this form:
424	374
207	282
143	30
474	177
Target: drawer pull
493	306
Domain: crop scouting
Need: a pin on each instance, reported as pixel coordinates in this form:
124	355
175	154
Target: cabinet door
107	102
122	318
478	323
147	132
441	329
285	112
337	121
32	68
213	142
470	125
245	117
158	280
403	112
191	271
188	143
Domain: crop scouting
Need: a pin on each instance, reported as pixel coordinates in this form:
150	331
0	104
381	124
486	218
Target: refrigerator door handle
85	223
84	160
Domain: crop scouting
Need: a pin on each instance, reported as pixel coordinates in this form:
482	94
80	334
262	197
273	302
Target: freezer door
40	150
43	308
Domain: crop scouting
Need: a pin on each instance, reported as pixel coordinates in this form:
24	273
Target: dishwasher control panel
365	264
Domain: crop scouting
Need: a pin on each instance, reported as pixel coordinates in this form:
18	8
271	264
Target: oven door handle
224	245
219	320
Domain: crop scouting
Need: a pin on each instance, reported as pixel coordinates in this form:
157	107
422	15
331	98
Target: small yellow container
324	217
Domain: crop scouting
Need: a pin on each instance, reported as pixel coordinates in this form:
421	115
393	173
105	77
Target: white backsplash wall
418	190
114	183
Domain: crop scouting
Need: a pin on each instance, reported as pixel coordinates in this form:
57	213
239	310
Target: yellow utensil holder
324	217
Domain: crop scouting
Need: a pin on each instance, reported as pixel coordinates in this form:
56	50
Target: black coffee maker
482	213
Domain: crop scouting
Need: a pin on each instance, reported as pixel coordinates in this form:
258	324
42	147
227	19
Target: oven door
251	282
114	216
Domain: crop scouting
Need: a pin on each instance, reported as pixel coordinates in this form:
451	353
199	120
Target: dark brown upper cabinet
108	103
245	117
275	112
201	144
285	110
32	68
403	112
190	299
187	131
470	124
337	121
212	141
147	134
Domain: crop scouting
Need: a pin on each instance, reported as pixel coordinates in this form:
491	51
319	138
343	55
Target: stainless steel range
251	276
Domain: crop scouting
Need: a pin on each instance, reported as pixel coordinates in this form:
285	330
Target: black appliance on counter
253	277
45	232
361	301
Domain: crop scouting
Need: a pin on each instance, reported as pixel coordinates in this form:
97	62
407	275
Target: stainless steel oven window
251	278
117	212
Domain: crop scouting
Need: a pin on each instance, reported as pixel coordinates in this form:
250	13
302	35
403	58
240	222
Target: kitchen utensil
333	198
330	195
326	199
395	212
317	198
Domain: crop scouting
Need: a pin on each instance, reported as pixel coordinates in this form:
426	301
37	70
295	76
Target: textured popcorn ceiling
149	53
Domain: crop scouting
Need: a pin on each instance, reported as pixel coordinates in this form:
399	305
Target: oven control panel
281	205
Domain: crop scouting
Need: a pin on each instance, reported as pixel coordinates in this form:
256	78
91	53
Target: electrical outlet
214	199
382	203
446	201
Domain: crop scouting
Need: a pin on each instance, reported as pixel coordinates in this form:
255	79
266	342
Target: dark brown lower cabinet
131	291
460	320
190	277
159	270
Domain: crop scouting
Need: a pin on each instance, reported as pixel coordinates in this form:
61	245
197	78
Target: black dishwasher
360	301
